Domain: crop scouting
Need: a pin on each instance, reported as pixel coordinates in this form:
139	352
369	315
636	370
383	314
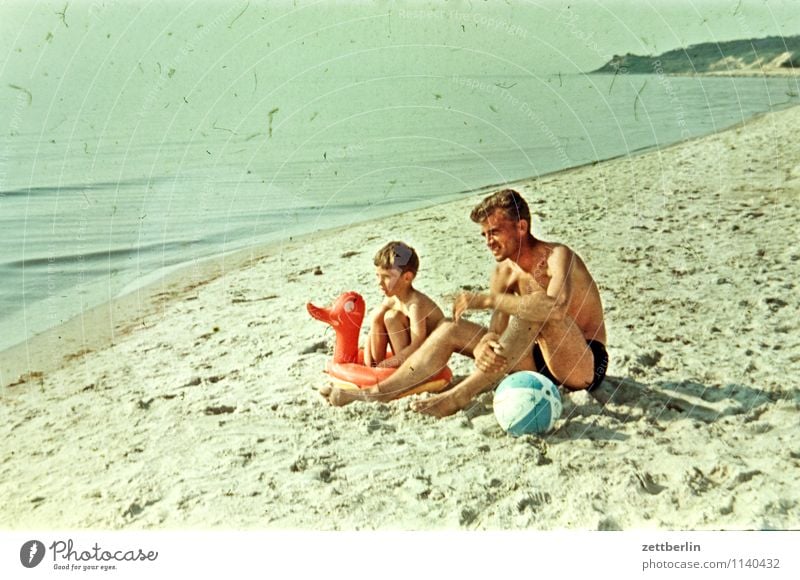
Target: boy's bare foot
341	397
325	390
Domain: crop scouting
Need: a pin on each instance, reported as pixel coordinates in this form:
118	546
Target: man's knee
457	336
450	334
578	383
578	377
448	327
442	332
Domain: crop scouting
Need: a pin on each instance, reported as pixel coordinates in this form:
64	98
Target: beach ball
527	402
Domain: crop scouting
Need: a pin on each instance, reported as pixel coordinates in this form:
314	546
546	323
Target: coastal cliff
772	55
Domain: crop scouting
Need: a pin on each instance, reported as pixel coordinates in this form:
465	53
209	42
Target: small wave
139	182
111	255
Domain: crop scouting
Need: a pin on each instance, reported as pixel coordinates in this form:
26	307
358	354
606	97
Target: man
547	317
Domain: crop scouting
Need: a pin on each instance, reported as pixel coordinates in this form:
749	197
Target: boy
407	316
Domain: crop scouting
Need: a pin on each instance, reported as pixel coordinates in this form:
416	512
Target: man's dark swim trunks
600	364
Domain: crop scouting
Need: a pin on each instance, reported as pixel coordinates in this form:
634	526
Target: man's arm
498	285
486	353
542	305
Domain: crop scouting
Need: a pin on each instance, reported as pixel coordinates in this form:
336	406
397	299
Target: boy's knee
394	317
376	316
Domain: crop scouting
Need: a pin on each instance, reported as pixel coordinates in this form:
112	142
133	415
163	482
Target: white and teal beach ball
527	402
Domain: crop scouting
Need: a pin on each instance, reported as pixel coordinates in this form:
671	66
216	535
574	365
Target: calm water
116	164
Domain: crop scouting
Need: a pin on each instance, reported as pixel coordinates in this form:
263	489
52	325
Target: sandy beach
199	407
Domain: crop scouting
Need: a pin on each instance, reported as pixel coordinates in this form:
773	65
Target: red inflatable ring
347	369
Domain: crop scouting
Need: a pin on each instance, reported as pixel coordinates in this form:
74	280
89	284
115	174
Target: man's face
502	235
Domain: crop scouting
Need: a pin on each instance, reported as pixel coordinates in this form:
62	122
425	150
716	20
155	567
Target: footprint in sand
320	346
698	482
648	483
219	410
135	508
649	359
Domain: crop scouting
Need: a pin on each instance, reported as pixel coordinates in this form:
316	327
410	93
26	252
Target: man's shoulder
558	251
504	268
558	247
503	275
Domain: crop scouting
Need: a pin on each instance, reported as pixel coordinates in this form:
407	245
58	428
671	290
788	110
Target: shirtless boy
406	317
547	316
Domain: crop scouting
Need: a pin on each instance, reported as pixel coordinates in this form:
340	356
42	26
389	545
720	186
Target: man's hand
390	363
489	354
469	301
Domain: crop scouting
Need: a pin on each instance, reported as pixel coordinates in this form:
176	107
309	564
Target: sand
203	413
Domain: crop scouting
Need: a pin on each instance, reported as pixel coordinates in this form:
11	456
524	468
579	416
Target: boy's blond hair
397	255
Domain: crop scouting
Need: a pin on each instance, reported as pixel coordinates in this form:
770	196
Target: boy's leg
377	340
449	337
398	328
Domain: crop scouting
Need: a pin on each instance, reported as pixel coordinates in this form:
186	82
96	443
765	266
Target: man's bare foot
325	390
441	405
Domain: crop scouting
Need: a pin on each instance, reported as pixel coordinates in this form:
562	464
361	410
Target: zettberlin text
667	547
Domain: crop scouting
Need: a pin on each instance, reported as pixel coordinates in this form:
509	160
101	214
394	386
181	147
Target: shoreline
48	350
118	317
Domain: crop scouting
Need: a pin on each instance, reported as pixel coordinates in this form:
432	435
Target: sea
136	143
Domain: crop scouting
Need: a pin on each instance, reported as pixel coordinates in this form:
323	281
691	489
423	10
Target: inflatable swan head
345	316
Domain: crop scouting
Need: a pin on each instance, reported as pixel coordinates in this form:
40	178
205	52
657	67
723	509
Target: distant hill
771	55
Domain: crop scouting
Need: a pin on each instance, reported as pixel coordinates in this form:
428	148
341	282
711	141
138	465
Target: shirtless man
547	316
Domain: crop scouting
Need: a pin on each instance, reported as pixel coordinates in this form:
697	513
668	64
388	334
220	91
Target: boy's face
391	280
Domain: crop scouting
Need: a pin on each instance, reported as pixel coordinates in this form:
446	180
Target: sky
545	36
89	61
